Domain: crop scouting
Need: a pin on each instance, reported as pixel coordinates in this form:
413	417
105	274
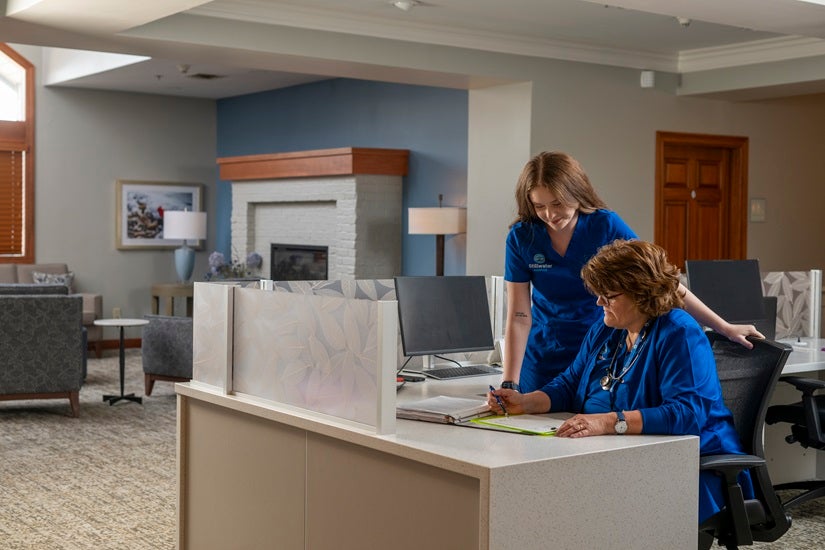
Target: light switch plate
758	209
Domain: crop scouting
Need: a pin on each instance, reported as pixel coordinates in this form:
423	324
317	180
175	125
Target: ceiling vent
205	76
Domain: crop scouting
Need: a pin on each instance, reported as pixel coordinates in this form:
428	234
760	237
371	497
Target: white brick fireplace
357	216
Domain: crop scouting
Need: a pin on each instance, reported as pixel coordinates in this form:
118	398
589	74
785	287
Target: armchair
166	350
807	418
748	378
24	274
42	347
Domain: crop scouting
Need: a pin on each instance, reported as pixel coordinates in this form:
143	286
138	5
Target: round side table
122	323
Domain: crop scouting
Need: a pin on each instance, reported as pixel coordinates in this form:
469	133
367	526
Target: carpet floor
107	479
104	480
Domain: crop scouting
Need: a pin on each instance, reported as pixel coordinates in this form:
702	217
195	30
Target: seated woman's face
620	311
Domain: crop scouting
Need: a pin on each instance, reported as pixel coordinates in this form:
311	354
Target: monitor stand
428	362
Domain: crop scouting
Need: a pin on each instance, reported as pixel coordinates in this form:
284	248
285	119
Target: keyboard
464	371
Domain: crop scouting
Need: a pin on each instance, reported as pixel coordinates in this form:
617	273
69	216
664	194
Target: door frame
736	217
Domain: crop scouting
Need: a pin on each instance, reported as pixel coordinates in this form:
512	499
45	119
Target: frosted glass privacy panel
320	353
212	335
362	289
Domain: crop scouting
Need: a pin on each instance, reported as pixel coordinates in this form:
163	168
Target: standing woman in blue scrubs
561	224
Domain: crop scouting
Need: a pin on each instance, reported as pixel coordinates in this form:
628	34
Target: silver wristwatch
621	423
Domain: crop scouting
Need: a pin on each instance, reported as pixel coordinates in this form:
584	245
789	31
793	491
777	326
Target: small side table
170	291
122	323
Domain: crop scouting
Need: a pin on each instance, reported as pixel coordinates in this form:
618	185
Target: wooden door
701	196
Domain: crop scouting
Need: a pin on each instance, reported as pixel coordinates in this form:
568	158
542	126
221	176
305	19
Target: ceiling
678	36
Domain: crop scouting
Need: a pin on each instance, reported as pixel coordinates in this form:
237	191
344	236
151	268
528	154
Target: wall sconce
180	224
438	221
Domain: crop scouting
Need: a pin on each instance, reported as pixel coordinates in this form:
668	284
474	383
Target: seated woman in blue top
561	223
646	367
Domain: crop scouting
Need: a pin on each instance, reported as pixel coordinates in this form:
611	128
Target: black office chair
807	417
748	378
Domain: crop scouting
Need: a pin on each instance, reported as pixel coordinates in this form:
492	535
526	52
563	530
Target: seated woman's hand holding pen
518	403
537	402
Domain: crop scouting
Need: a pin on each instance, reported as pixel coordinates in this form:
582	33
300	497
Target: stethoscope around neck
611	380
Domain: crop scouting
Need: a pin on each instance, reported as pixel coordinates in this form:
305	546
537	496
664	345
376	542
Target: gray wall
598	113
85	141
602	117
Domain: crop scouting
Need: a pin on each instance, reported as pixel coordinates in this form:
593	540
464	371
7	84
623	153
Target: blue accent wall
430	122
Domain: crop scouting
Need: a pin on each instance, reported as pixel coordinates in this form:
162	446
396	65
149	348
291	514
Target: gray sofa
92	303
41	345
166	349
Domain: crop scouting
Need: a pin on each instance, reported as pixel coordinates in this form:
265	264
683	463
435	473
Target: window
16	158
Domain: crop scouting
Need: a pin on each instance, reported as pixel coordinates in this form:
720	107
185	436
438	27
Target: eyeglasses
608	298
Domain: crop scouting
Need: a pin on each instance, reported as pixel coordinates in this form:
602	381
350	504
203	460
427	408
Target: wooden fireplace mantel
344	161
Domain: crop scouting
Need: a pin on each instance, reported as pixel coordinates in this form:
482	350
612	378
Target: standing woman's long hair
563	176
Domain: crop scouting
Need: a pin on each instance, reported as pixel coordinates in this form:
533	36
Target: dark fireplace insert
298	262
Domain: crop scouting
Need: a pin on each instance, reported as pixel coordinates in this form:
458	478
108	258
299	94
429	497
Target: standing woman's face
551	210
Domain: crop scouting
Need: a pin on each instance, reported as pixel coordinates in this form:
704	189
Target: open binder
444	409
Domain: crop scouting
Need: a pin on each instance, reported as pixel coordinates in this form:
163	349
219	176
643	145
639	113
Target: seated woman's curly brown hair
638	269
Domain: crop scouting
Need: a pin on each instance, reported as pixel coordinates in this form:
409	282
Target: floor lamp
180	224
439	221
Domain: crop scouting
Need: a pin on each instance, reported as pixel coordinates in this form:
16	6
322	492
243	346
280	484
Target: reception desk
287	439
254	474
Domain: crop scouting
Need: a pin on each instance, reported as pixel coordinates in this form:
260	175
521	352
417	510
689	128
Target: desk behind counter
787	462
252	472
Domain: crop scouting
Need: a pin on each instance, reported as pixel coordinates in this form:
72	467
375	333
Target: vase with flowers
219	268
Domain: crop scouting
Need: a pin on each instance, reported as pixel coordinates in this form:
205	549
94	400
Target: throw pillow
41	278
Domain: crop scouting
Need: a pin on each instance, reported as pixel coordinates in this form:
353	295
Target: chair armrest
811	408
730	462
93	302
730	466
806	385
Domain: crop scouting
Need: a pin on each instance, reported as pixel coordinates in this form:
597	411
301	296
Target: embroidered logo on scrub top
540	262
604	354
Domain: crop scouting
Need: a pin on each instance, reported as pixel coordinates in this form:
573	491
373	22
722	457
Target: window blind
12	202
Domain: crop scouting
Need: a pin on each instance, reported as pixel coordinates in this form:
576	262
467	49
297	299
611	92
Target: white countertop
807	355
470	451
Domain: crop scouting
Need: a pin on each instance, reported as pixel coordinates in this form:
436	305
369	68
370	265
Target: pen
499	401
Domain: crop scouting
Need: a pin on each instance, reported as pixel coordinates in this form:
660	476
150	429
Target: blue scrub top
563	310
673	383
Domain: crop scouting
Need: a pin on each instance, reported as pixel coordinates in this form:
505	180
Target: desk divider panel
313	348
212	335
799	306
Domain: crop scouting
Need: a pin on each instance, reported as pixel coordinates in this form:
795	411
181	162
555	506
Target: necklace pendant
606	382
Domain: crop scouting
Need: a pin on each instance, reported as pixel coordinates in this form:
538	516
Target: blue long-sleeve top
673	383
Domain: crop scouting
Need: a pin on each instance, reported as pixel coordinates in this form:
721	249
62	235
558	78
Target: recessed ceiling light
405	5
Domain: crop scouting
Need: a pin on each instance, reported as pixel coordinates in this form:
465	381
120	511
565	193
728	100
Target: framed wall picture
140	207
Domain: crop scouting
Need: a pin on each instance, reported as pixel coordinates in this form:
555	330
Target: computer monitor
443	314
732	289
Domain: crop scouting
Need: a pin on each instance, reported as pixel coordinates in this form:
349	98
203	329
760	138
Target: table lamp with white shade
188	226
440	221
